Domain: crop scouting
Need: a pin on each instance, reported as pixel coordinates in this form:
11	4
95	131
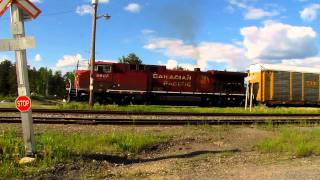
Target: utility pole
22	79
93	52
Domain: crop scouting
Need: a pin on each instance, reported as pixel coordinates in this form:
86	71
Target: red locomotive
138	84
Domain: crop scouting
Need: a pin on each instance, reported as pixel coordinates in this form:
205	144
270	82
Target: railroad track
45	116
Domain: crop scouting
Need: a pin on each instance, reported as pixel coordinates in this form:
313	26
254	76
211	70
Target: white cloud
147	31
133	7
84	9
273	42
230	9
36	1
276	41
234	57
310	13
69	62
37	58
228	54
6	56
172	64
104	1
313	62
2	59
251	12
99	1
255	13
172	47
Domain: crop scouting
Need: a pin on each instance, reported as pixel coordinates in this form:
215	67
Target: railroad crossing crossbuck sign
20	11
23	103
23	42
26	5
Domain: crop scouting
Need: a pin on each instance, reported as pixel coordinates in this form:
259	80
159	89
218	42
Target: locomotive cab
103	68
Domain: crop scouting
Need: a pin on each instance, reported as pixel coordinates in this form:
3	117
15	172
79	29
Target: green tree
132	58
67	76
33	78
43	80
13	91
179	68
57	85
4	77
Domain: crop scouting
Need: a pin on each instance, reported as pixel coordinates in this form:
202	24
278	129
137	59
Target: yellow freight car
278	84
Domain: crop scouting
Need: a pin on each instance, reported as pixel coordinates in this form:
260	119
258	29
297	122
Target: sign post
20	8
23	82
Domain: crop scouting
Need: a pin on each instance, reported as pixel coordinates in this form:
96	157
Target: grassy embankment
54	148
293	142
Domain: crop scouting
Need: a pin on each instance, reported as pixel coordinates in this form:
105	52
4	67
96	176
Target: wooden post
302	87
291	87
247	93
251	96
319	88
93	53
22	79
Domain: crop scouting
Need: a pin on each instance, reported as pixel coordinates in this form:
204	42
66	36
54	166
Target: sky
210	34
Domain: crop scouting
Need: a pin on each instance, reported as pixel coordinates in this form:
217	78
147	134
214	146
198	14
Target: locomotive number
102	76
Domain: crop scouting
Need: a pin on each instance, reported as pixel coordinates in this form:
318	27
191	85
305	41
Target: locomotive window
107	69
153	68
99	69
133	67
103	68
141	67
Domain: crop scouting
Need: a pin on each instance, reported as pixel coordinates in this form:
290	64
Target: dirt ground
194	152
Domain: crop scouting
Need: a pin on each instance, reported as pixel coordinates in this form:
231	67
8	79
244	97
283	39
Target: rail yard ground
43	103
165	152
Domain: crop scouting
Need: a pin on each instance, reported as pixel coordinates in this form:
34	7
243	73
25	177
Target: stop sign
23	103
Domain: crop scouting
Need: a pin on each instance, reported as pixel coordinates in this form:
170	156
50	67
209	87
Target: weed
296	142
133	143
54	148
191	109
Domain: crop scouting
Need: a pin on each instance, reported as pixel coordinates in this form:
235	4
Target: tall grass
54	148
42	102
295	142
8	98
195	109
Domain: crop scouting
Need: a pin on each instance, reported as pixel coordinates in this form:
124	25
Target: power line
58	13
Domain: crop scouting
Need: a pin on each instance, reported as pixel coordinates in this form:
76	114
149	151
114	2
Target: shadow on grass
127	160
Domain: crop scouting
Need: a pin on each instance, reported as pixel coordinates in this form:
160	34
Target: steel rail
147	121
105	112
